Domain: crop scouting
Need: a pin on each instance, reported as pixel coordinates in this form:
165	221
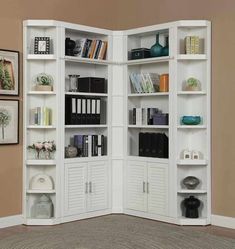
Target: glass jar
73	82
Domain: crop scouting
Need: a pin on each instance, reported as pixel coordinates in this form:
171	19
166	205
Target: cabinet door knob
90	187
86	189
147	187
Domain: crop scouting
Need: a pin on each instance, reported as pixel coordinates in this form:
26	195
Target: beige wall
123	15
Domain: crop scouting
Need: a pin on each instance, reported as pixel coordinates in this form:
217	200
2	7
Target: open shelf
191	57
192	162
41	127
149	126
40	191
85	126
41	93
131	95
41	162
86	60
191	93
191	127
191	191
87	94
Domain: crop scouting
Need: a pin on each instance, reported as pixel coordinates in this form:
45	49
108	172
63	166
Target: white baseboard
117	210
223	221
10	221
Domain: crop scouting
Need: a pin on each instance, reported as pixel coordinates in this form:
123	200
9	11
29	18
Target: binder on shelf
97	113
100	145
83	115
141	144
79	111
93	111
88	111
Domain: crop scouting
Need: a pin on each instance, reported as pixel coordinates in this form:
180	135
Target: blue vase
165	50
156	49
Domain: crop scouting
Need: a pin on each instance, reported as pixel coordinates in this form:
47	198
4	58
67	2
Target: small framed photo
42	45
9	72
9	122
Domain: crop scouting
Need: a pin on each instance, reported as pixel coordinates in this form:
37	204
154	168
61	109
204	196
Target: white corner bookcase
120	181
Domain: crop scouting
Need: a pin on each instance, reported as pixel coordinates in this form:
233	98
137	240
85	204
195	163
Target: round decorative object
191	204
191	120
192	84
165	50
41	182
156	49
191	182
71	151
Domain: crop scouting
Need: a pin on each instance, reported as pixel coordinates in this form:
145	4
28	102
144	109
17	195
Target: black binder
141	144
84	111
93	111
70	110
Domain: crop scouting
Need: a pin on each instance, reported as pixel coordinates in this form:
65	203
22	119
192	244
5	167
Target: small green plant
5	119
5	78
193	82
44	79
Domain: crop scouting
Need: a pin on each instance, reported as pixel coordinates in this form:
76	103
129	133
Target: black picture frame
42	45
9	132
9	72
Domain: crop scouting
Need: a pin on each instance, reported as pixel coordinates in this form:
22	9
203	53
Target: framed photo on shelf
9	72
9	121
42	45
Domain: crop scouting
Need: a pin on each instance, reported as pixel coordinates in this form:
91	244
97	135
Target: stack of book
93	49
82	110
90	145
148	116
153	145
40	116
145	82
192	45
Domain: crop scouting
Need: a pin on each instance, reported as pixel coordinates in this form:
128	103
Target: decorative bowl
191	120
191	182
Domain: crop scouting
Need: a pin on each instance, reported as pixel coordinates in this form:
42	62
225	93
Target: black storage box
92	85
140	53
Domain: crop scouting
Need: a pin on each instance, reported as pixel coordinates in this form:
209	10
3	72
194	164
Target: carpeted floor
116	232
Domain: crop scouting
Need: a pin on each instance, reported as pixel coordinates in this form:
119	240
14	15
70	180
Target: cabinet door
98	186
75	188
157	188
136	198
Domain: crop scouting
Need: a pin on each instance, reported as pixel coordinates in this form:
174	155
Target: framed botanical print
9	122
42	45
9	72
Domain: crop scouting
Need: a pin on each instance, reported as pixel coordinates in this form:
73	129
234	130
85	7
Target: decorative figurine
186	154
195	155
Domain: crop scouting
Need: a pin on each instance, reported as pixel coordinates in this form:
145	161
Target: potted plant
43	82
192	84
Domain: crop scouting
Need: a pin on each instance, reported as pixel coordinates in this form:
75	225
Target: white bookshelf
121	166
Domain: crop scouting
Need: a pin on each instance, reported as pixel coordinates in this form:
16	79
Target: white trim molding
10	221
223	221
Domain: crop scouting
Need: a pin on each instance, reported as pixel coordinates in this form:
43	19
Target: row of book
145	82
153	145
90	145
148	116
192	45
40	116
82	110
93	49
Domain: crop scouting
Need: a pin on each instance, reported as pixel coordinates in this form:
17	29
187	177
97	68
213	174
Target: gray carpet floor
116	232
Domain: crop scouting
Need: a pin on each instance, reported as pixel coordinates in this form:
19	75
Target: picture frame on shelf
9	72
9	122
42	45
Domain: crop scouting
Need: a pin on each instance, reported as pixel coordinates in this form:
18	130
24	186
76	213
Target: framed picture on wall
9	72
9	122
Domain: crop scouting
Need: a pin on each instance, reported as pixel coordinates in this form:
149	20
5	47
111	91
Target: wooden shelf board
131	95
191	93
40	162
191	57
41	93
85	126
41	127
86	60
149	126
149	60
41	57
87	94
191	127
40	191
191	162
192	191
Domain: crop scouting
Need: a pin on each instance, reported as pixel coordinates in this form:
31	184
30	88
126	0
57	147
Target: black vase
191	204
69	47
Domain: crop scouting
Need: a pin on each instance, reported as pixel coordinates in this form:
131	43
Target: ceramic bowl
191	120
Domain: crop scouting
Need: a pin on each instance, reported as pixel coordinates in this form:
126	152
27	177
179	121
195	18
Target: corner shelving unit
120	181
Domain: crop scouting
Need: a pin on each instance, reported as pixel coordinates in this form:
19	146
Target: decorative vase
191	204
69	47
156	49
165	50
191	182
164	83
71	151
73	82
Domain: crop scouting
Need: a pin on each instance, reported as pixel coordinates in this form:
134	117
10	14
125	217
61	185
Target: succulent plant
44	79
192	82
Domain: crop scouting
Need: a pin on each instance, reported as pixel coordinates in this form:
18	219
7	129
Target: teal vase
165	50
156	49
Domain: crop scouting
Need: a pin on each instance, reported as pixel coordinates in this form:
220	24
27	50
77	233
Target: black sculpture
69	47
191	204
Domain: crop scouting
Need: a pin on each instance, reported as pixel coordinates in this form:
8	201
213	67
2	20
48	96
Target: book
79	47
197	45
187	41
192	45
97	51
91	50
